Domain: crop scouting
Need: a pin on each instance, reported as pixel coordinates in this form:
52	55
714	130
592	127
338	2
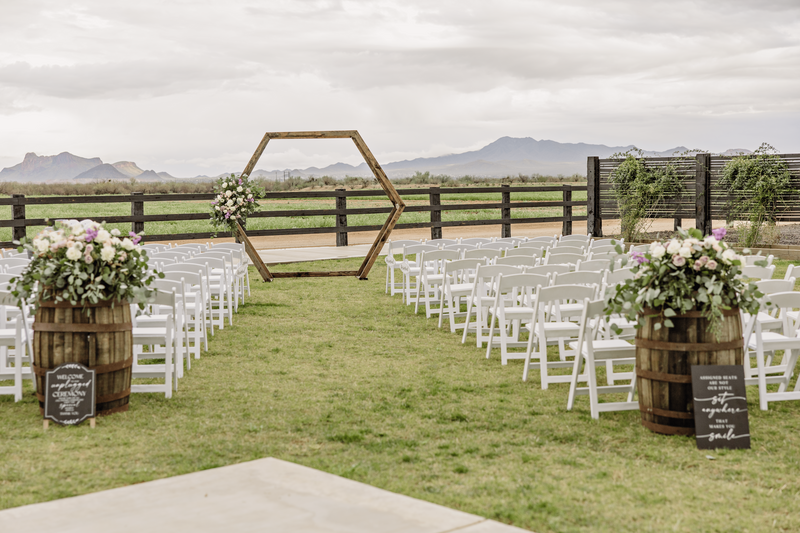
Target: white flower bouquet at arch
84	263
687	273
236	199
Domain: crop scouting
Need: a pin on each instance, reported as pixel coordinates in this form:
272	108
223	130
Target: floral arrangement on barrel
236	199
687	273
83	262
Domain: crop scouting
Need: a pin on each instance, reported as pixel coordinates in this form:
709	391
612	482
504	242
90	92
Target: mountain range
505	156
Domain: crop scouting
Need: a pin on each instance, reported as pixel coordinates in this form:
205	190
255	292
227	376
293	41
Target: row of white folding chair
165	329
762	344
242	261
16	346
12	262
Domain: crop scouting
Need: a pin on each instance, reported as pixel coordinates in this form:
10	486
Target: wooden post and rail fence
703	198
138	220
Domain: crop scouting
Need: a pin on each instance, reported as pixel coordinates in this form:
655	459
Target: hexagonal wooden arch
380	175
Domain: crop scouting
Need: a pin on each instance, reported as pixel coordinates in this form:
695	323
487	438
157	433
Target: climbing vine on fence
641	190
756	184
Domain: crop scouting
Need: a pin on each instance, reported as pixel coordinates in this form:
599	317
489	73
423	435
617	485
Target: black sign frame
62	404
720	407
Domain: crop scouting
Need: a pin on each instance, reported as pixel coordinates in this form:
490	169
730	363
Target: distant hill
505	156
128	168
104	172
61	167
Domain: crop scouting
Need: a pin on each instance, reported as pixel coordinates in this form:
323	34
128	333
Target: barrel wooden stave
666	406
92	349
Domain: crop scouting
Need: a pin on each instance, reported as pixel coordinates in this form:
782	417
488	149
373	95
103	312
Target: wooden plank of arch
380	176
266	275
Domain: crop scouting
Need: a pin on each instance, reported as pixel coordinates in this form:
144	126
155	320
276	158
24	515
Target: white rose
228	194
127	244
224	184
115	232
73	254
42	245
115	241
107	254
239	188
728	255
710	241
217	208
102	236
685	252
239	201
657	251
673	247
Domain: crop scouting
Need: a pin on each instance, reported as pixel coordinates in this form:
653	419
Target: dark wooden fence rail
19	222
703	199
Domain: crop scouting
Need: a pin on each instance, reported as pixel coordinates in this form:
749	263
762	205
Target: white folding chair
526	251
543	242
751	260
156	335
513	241
763	342
431	278
482	297
483	253
194	308
457	286
585	239
513	306
244	261
590	352
219	288
549	269
548	328
758	272
527	261
440	242
234	273
476	240
15	336
394	248
411	268
598	265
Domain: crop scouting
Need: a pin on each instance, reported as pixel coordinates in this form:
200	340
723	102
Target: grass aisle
333	374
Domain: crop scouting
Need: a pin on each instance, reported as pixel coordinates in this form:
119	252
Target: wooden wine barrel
664	360
99	336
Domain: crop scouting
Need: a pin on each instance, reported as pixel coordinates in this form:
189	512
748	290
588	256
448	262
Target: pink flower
88	259
88	248
678	260
698	265
703	260
711	265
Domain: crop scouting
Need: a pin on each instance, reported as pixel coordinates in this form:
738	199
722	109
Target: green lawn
333	374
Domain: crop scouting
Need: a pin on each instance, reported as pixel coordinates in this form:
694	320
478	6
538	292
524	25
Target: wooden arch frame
380	175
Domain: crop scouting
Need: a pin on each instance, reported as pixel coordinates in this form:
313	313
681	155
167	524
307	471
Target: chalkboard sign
720	407
69	394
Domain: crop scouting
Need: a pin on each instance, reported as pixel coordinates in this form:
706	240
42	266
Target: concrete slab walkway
266	495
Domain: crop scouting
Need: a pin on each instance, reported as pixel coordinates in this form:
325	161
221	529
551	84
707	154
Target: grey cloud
125	79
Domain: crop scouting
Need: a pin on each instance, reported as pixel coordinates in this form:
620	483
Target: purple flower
91	234
719	233
240	181
227	216
639	257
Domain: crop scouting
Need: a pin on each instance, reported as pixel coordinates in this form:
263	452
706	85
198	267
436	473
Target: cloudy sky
189	87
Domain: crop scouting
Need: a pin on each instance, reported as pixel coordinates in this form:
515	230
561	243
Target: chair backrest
396	247
193	248
514	241
603	249
563	258
527	252
789	272
524	286
233	246
189	277
538	245
612	256
576	238
753	259
16	269
476	240
489	272
441	242
517	260
758	272
597	265
461	248
497	246
438	256
579	278
15	261
567	247
177	255
643	248
549	269
563	293
155	248
548	241
483	253
416	249
605	242
618	275
460	269
772	286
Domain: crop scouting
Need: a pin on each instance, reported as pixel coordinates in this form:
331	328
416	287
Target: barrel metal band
667	430
75	327
663	376
63	304
112	397
665	412
734	311
99	369
688	346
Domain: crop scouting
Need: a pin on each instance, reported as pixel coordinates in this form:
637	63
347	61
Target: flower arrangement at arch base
84	263
236	199
688	273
